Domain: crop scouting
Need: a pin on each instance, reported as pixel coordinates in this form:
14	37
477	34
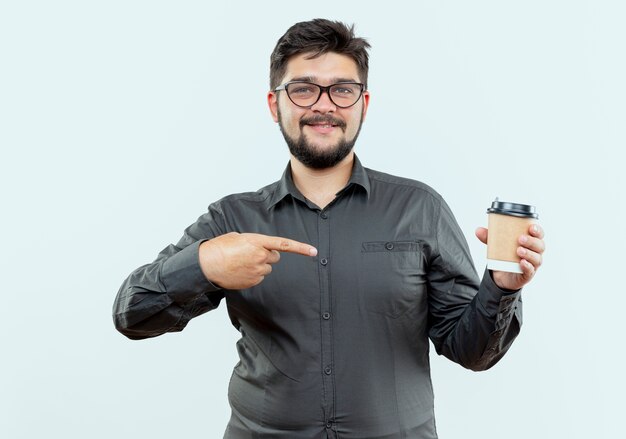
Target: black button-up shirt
335	346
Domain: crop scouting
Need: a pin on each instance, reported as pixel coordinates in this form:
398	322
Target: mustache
319	119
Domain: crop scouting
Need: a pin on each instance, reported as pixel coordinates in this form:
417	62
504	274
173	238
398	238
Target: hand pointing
242	260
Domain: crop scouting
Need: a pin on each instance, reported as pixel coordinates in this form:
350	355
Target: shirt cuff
182	276
492	297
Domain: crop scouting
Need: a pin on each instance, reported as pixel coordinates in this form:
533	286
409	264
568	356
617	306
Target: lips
322	129
322	123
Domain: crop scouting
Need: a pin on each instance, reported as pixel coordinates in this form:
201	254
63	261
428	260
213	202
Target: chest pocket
393	278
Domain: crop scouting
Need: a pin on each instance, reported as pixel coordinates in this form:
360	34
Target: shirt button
326	315
329	424
328	370
389	246
323	215
324	261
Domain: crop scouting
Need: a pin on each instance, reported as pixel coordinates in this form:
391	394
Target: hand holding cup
515	244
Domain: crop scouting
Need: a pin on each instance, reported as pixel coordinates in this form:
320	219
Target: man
336	276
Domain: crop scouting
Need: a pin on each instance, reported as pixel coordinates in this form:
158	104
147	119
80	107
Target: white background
120	121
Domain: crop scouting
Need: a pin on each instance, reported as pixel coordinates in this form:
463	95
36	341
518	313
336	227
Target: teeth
323	126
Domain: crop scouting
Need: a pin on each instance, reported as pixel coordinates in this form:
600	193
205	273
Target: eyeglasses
306	94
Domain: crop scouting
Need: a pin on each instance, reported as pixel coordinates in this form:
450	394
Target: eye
302	89
344	90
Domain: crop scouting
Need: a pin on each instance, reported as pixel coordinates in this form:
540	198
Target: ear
272	102
366	103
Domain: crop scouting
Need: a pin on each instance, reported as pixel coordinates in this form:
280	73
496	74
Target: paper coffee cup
507	222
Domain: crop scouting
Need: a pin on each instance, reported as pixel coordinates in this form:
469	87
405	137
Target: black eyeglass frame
323	89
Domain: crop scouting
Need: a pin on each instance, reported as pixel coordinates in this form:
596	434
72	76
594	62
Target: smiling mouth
323	129
323	124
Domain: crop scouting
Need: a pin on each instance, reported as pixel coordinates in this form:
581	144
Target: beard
311	156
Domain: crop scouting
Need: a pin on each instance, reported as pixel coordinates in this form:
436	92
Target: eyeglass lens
306	94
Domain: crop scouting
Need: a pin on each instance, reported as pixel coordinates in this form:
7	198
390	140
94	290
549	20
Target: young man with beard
336	276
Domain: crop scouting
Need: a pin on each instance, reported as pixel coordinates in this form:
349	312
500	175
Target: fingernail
535	229
521	251
313	251
523	239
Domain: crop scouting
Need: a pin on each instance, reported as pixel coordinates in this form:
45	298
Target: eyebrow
313	79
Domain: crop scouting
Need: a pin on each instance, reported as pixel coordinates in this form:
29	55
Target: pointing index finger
287	245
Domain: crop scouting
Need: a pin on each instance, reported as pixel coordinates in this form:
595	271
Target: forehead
327	68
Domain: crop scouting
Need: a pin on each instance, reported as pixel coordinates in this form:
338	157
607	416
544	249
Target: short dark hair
318	36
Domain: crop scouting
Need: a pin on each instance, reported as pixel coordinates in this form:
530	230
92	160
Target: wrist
500	279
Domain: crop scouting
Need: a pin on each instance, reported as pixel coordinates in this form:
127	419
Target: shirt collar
285	186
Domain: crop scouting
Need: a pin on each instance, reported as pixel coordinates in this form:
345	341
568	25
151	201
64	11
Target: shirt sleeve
470	322
165	295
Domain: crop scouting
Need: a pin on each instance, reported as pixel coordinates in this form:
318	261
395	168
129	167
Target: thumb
481	233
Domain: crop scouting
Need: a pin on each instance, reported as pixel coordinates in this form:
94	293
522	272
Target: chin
325	144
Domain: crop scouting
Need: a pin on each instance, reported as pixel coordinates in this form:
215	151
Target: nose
324	104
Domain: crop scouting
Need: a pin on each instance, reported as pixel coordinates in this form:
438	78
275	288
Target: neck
321	185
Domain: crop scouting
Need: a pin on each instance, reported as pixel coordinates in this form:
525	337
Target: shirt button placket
324	251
